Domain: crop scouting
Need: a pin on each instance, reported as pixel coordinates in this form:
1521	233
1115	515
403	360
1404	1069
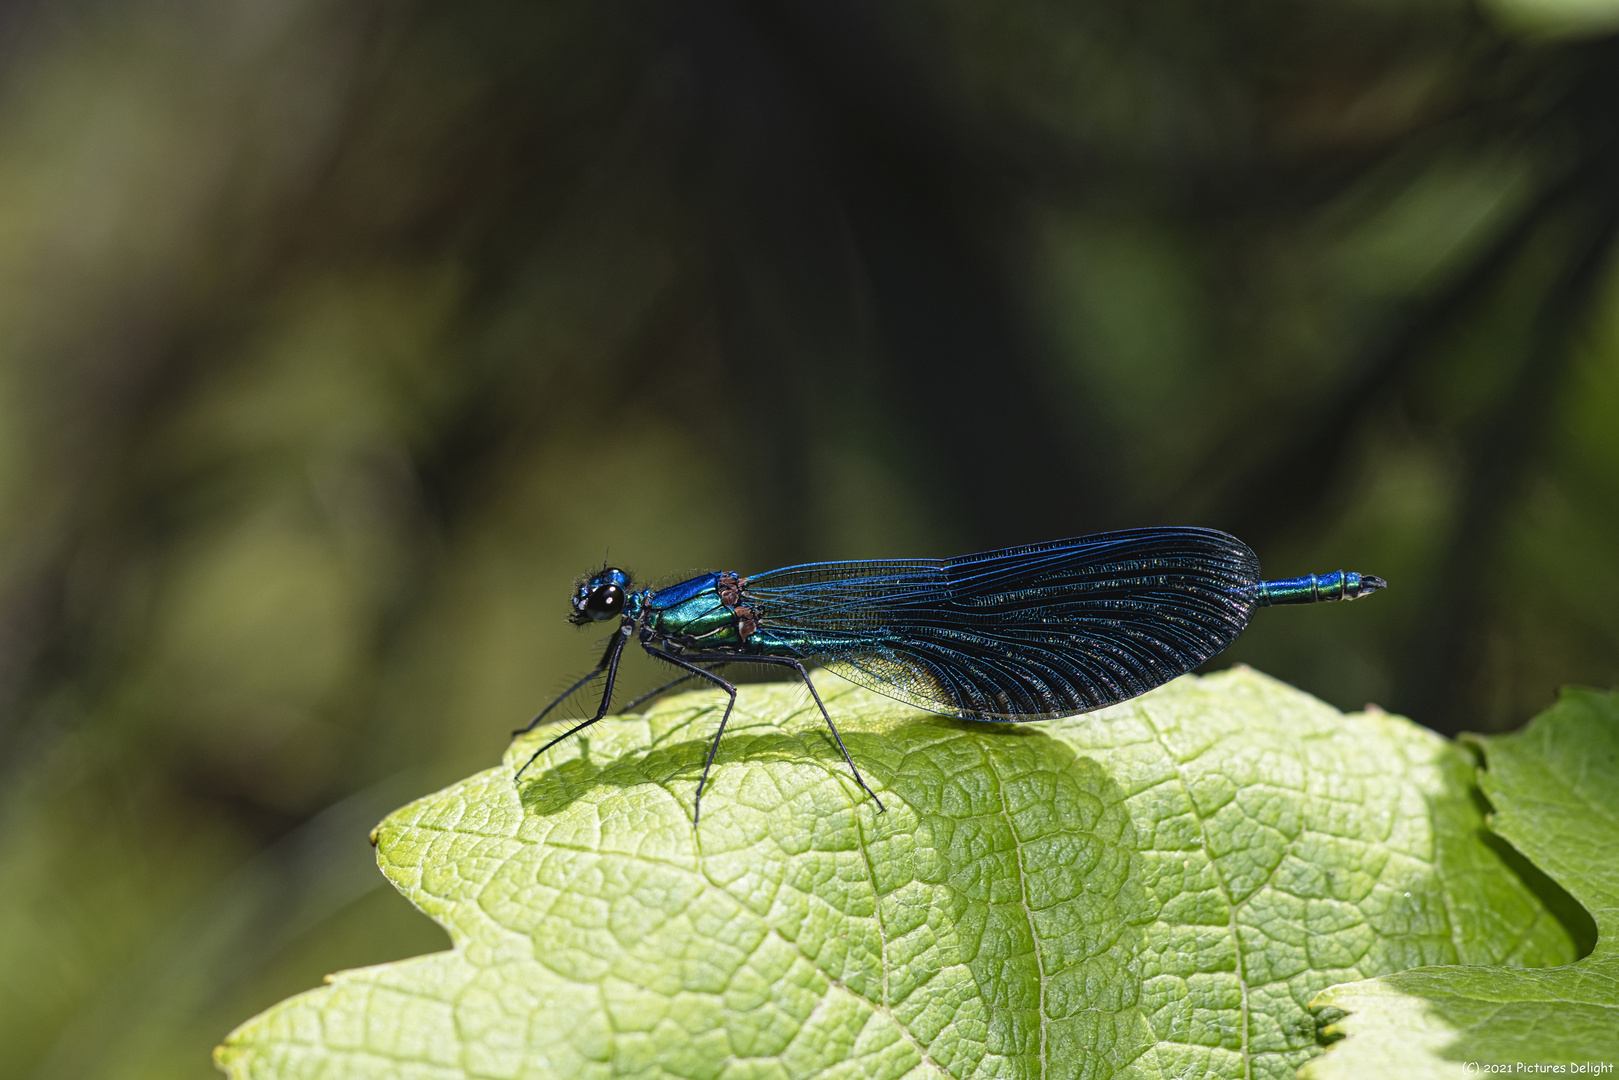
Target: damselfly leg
631	706
609	662
615	649
691	660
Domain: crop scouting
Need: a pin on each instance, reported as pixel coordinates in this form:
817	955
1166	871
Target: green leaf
1555	790
1155	890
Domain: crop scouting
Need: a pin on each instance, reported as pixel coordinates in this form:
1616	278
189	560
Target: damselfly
1025	633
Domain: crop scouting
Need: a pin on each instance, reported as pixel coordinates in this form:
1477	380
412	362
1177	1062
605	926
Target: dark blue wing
1020	634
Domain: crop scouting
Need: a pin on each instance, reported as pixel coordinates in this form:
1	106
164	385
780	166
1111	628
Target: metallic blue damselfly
1025	633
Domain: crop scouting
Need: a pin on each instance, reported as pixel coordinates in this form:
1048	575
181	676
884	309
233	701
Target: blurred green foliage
336	338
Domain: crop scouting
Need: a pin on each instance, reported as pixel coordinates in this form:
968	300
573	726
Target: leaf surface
1555	789
1155	890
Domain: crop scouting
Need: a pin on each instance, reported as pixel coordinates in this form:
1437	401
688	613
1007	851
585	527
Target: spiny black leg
609	657
787	661
713	747
664	689
614	651
814	693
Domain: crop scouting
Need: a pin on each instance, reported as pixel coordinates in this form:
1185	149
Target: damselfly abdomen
1025	633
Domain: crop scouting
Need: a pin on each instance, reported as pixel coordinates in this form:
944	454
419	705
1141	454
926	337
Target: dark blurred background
338	336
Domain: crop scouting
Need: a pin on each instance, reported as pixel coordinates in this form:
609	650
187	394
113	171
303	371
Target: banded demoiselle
1024	633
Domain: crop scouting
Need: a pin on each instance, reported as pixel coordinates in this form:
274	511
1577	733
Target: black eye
604	602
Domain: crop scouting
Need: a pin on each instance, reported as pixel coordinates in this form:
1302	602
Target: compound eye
604	602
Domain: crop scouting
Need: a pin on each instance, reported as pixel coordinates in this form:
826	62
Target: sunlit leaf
1555	789
1156	890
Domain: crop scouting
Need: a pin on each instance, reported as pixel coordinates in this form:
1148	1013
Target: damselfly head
600	597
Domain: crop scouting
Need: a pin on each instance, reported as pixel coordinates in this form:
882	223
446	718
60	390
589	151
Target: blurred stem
1443	654
1318	444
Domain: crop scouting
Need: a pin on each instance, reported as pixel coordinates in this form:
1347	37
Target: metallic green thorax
692	614
713	611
